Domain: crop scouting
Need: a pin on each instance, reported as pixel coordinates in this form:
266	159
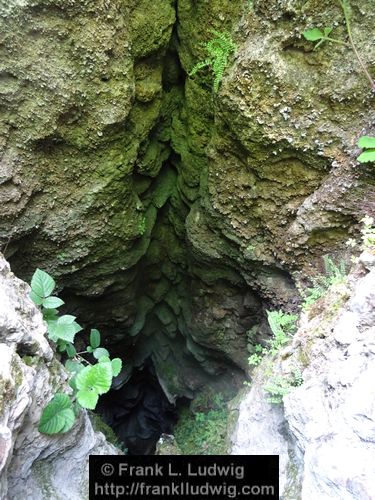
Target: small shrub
87	380
219	50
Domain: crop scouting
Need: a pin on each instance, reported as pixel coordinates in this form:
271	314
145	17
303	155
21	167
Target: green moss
202	429
100	426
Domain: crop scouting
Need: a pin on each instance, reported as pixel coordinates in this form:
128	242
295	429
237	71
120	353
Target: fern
334	274
219	50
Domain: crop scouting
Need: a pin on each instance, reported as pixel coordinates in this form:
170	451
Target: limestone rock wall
31	463
325	430
169	215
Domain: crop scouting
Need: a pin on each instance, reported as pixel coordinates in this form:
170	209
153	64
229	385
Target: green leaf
89	348
50	315
87	399
313	35
116	366
367	156
104	359
61	345
71	350
52	302
42	284
366	142
73	366
97	378
58	416
99	352
67	319
64	328
35	298
94	338
327	31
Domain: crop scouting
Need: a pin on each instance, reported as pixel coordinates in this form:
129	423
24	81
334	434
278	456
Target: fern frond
200	65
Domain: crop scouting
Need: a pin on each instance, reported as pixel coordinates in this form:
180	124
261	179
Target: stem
348	27
82	358
336	41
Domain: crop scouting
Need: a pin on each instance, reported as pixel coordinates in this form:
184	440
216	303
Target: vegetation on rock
87	380
219	50
201	429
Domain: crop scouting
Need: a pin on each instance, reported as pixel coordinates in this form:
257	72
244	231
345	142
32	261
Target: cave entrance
139	411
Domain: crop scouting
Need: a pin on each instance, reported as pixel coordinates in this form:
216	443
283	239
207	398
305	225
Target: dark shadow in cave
138	412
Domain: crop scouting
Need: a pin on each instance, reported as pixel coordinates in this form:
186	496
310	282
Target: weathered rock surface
32	464
170	216
325	430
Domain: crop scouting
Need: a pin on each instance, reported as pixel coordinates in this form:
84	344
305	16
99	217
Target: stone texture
169	216
325	429
29	376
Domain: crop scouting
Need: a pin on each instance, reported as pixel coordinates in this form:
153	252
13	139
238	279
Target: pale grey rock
34	465
325	430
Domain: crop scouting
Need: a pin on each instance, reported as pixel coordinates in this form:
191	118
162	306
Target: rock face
29	376
325	429
172	216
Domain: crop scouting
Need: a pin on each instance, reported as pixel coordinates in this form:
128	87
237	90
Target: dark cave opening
138	411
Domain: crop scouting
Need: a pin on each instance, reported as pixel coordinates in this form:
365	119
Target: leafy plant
63	329
368	145
257	357
58	416
279	386
317	35
334	274
87	380
283	326
203	432
219	50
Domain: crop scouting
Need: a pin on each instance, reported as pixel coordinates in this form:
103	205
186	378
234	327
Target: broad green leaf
71	350
58	416
52	302
313	35
366	142
104	359
73	366
63	330
35	298
367	156
89	348
94	338
99	352
116	366
97	378
50	315
87	399
69	422
67	319
42	284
